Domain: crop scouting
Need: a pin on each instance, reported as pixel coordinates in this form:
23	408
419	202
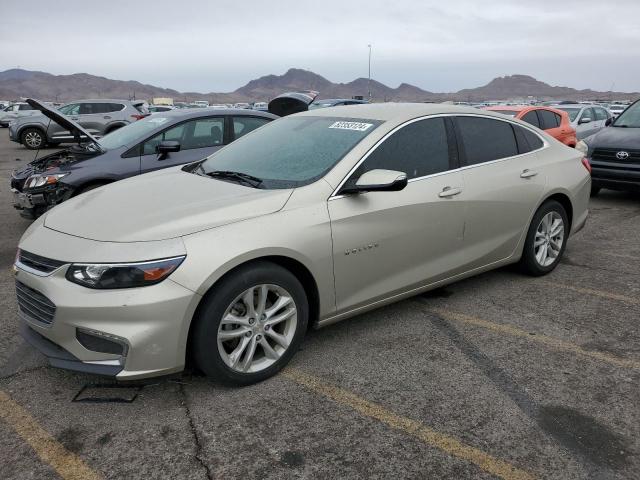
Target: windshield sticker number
358	126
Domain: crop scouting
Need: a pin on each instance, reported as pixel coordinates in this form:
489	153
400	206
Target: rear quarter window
532	119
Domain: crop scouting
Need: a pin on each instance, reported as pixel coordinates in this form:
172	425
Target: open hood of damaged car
65	122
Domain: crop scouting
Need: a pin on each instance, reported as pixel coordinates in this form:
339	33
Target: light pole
369	82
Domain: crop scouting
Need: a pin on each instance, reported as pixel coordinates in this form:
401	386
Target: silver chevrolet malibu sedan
306	221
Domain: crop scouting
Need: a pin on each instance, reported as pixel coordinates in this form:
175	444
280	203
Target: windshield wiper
243	177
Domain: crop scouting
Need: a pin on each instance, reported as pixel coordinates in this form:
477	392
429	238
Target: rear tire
265	311
33	138
546	239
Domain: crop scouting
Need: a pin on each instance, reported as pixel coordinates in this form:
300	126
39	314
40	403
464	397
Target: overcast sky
218	46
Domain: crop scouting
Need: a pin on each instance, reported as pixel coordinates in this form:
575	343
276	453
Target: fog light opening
102	342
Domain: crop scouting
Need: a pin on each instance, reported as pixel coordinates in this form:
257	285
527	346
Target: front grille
609	155
35	305
36	262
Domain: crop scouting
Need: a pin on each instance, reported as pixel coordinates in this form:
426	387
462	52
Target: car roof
393	111
185	113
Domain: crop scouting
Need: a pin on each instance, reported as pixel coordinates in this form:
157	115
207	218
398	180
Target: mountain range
18	83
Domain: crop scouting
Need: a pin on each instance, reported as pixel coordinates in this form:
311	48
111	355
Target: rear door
386	242
91	117
55	131
198	138
503	182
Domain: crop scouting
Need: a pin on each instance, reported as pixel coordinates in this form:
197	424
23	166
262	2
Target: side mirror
608	121
379	181
584	120
167	147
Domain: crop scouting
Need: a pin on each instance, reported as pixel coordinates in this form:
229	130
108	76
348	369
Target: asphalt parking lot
499	376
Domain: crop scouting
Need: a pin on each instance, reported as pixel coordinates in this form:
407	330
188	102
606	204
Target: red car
555	122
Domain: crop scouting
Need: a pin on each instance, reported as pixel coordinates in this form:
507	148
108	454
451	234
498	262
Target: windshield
132	132
292	151
630	117
573	112
509	113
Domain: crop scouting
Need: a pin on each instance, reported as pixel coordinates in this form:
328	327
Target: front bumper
616	176
152	322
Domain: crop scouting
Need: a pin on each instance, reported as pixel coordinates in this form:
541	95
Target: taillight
587	165
138	117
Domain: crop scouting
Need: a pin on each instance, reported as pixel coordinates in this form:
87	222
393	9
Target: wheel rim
549	239
257	328
33	139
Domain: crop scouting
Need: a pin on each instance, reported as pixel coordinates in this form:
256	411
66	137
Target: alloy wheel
257	328
549	239
33	139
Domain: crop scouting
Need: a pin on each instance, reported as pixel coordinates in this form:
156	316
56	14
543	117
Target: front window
630	117
292	151
573	112
71	109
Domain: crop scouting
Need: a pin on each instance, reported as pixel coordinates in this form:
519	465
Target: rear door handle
107	117
449	192
528	173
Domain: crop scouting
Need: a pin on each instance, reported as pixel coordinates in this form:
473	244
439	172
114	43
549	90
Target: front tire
546	239
250	325
33	138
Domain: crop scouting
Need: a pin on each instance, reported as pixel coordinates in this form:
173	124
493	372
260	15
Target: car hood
615	137
161	205
64	122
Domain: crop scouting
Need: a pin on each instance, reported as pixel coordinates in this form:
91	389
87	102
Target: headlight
122	275
40	180
582	147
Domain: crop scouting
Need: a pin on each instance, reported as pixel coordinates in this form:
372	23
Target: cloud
219	46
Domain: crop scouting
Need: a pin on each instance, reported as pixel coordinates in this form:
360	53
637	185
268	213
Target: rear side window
419	149
25	107
526	139
549	119
244	125
532	118
486	139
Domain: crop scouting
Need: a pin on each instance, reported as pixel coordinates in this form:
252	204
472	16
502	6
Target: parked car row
306	221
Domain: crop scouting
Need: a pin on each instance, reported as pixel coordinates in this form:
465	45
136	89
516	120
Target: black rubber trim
60	358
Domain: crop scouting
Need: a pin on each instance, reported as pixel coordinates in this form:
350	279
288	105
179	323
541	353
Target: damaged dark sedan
159	141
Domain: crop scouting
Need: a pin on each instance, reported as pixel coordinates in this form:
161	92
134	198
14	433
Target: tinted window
244	125
486	139
549	119
418	149
532	118
113	107
93	108
601	114
526	139
25	107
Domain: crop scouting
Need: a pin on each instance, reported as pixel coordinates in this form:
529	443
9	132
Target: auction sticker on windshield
358	126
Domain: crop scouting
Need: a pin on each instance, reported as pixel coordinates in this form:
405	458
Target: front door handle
74	118
107	117
449	192
528	173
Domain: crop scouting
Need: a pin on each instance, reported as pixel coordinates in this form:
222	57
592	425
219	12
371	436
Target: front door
386	242
198	138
